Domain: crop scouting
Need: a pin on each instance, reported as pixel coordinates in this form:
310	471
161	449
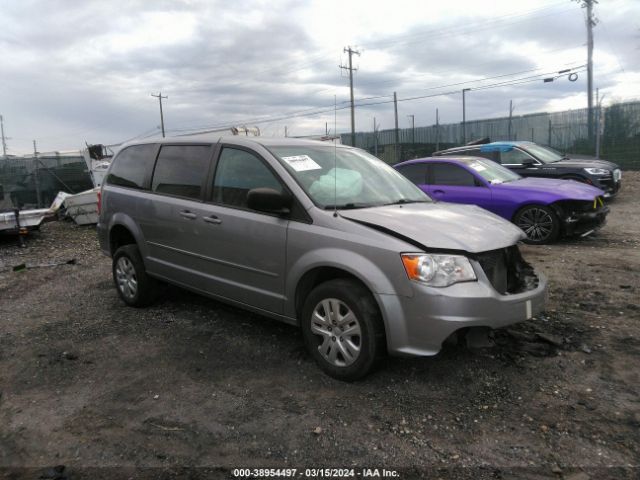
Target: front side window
545	154
346	177
452	175
514	157
239	171
181	169
131	166
416	172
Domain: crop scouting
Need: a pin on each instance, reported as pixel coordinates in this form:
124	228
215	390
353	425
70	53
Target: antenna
335	159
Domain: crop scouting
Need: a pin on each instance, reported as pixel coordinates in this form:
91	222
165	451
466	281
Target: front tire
342	329
133	284
539	222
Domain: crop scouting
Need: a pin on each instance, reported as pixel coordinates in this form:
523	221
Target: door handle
212	219
438	191
188	214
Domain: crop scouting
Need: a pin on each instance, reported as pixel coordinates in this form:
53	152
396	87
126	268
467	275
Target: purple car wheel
539	223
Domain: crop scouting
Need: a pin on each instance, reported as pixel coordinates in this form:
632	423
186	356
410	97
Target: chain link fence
33	182
565	131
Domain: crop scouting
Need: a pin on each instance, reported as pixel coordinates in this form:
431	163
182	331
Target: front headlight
597	171
438	270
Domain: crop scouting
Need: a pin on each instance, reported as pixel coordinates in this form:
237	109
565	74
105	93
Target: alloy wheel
536	223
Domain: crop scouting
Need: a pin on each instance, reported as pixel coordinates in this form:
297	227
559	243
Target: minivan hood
441	225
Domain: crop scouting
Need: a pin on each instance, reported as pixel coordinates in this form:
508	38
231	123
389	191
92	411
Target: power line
330	108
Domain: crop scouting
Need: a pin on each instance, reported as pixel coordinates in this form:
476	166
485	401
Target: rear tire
539	222
342	329
133	284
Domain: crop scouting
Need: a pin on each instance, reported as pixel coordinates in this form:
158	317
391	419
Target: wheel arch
124	231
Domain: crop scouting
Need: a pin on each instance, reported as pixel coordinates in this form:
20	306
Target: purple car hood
441	225
559	189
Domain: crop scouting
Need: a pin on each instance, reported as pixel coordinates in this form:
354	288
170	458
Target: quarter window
447	174
131	165
239	171
181	170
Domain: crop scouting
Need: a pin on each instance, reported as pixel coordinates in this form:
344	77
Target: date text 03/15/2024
315	473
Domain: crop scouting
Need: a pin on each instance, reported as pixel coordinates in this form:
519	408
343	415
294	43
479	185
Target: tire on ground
372	343
532	211
146	288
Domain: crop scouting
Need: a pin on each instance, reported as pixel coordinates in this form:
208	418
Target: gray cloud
64	81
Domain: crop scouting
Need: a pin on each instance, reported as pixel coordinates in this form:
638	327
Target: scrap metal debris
27	266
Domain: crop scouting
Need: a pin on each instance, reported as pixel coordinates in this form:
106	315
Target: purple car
543	208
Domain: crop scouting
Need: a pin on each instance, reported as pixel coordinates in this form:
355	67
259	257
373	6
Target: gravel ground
109	391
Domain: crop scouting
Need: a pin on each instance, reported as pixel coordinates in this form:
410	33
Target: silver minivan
318	235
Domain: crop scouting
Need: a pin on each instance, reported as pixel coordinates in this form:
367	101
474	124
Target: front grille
507	270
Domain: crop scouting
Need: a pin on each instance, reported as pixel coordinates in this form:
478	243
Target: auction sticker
302	163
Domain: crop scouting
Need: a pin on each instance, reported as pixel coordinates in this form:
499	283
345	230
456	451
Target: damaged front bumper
580	223
418	325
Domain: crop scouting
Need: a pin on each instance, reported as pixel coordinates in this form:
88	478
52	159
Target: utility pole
4	140
510	116
437	131
395	109
160	97
375	137
413	129
351	51
598	120
464	117
591	22
36	177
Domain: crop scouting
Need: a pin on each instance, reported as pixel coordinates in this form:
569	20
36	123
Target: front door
242	252
453	183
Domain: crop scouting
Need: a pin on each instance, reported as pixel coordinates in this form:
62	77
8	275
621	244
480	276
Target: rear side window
447	174
181	170
416	172
131	165
238	172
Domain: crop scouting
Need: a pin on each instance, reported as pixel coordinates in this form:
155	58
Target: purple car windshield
492	172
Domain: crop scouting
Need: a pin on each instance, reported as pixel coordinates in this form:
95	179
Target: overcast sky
76	71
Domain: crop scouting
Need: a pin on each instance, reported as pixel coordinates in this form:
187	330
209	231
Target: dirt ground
191	388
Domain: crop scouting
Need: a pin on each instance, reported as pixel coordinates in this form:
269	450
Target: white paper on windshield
477	167
302	163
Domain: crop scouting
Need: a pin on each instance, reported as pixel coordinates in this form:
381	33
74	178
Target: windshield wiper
347	206
402	201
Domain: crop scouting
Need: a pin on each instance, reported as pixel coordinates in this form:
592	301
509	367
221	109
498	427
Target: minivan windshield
544	154
492	172
339	177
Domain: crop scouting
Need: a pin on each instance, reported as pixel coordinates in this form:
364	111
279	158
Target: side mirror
527	162
268	200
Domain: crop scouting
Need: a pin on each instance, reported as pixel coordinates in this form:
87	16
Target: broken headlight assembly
438	270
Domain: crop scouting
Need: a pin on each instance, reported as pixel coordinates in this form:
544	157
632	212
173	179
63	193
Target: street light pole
464	116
